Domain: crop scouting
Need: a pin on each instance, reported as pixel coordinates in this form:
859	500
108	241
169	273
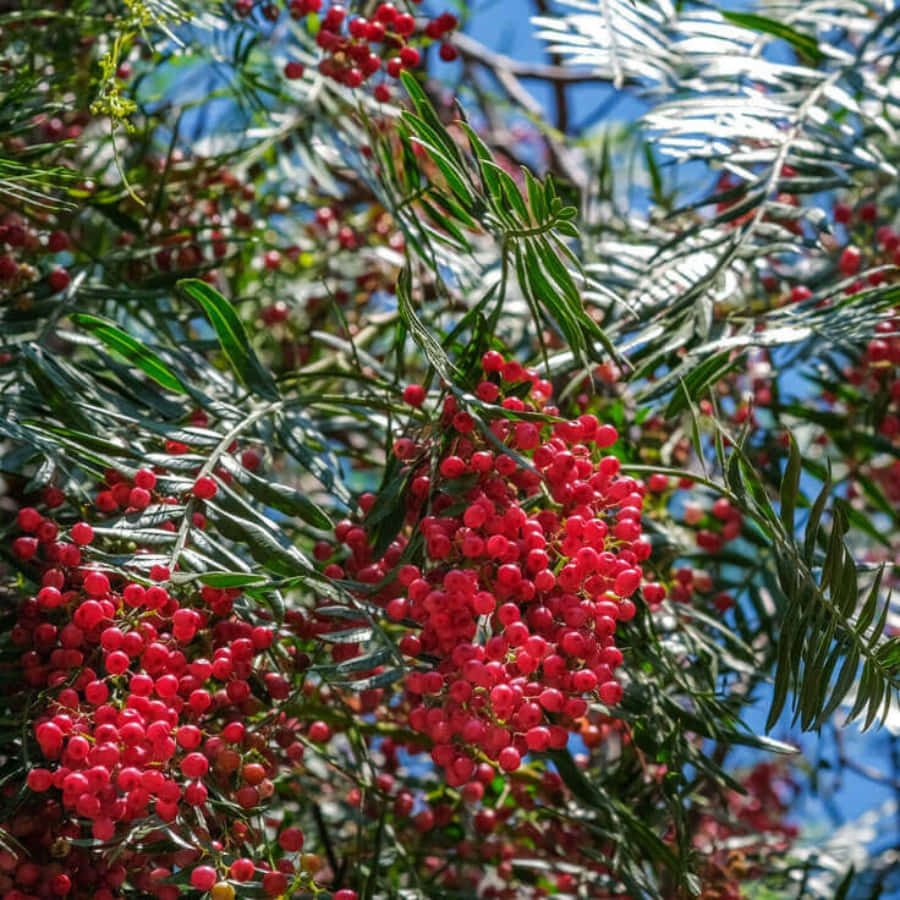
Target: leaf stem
207	467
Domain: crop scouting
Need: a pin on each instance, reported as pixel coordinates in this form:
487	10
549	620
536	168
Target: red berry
39	780
849	261
145	479
610	692
334	17
606	436
448	52
353	77
319	732
293	69
60	884
58	280
843	213
195	765
139	498
627	582
404	24
414	394
452	467
274	883
82	533
29	519
205	488
509	759
410	56
57	242
242	869
386	13
291	840
117	662
251	459
96	584
868	212
203	878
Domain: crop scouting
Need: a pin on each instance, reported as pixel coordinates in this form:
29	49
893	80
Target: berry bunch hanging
525	551
357	48
137	692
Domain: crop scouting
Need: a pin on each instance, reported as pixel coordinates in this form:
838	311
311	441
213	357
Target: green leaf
803	43
232	337
535	196
433	351
698	377
843	889
295	440
445	224
135	352
511	192
356	664
790	486
575	779
279	496
267	547
454	177
221	579
488	171
348	636
428	115
782	680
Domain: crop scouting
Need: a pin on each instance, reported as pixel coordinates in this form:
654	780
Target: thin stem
207	467
559	86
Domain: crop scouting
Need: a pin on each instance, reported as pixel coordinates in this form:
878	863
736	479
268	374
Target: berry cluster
715	528
870	395
30	259
144	690
732	846
531	558
358	48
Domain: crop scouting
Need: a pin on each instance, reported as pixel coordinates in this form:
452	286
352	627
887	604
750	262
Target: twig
559	87
207	468
474	50
326	840
507	73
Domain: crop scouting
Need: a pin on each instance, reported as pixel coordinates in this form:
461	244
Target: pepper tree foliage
384	518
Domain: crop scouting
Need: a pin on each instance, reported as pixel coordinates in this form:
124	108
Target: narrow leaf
232	337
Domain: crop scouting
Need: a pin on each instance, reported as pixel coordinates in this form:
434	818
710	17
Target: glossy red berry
242	869
849	261
59	280
205	488
82	533
203	878
414	394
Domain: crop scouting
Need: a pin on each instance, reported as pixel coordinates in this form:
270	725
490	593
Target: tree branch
507	73
473	50
559	87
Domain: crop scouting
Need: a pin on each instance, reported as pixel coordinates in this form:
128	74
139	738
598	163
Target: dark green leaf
802	43
135	352
232	337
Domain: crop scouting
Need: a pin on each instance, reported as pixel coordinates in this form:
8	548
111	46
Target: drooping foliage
386	517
